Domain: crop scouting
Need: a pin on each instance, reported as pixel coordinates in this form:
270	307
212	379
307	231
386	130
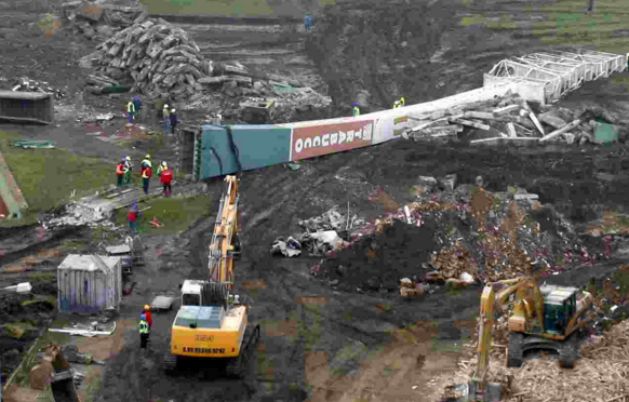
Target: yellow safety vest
356	111
143	327
130	107
402	101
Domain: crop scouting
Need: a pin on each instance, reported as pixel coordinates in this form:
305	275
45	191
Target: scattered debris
91	330
25	84
511	119
34	144
72	355
23	287
163	303
156	223
288	248
411	289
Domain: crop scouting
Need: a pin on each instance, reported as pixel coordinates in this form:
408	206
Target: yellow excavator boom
221	260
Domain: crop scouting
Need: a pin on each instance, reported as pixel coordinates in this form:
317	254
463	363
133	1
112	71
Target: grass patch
94	385
175	214
48	299
48	176
501	22
223	8
18	329
567	23
46	276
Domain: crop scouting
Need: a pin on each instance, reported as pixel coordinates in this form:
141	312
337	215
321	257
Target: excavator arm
494	297
221	259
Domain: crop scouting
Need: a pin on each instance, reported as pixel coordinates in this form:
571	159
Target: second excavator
212	323
543	317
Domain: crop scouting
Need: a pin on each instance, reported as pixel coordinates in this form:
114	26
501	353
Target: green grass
566	23
222	8
18	329
93	388
227	8
176	214
47	177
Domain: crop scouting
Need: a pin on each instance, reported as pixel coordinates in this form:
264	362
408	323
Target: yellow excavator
211	322
543	317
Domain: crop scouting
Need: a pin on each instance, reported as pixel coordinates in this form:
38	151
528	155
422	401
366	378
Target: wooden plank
500	139
478	115
562	130
511	130
505	110
533	118
470	123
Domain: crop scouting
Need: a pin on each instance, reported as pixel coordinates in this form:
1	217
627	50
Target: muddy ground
319	342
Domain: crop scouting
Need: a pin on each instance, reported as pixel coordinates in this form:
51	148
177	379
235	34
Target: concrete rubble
158	57
25	84
512	120
477	235
320	237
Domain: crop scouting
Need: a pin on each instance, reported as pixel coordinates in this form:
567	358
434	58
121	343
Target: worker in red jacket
147	172
120	171
149	316
132	217
166	178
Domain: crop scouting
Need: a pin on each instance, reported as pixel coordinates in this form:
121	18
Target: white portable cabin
89	283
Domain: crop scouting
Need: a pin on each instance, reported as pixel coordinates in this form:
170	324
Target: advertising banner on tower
309	142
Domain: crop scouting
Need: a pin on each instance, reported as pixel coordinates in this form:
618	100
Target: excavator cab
560	305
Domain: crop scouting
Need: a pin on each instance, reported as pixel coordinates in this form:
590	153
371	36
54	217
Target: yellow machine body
209	335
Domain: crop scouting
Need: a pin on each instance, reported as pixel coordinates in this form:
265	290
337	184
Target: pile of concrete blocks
159	57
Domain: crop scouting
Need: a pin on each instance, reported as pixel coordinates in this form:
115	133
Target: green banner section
226	150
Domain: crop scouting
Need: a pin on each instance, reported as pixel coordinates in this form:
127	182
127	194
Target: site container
33	107
89	283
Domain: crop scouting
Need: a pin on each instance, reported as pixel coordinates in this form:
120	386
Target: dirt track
315	338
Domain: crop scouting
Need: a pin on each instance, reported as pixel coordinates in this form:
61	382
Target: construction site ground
321	342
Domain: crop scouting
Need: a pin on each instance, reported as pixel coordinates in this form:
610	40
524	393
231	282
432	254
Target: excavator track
237	367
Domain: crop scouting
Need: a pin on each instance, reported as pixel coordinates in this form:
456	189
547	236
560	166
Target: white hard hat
165	105
172	110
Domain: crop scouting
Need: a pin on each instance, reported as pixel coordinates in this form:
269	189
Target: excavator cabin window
555	318
191	299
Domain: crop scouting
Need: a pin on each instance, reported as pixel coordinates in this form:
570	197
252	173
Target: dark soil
357	45
378	263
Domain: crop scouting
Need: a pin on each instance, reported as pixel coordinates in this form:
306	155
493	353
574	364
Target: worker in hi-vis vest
355	110
130	111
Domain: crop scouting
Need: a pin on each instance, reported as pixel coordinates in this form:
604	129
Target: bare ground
317	342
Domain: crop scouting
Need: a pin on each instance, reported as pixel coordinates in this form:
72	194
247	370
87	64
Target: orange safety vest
120	169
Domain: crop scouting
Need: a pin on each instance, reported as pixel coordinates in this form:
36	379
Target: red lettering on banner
308	142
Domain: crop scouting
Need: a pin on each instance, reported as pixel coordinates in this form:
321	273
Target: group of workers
164	172
169	119
168	114
397	104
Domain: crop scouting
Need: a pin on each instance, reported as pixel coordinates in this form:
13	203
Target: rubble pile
471	235
159	58
24	84
511	119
